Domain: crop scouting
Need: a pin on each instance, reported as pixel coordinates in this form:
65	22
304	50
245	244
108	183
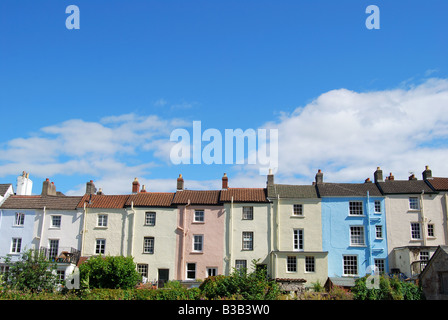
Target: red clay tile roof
151	199
244	195
39	202
197	197
103	201
439	184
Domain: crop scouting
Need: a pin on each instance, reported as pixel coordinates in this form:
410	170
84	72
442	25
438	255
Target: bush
110	272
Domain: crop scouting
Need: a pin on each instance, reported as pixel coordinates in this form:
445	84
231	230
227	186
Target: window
310	264
248	240
191	271
355	208
379	232
55	221
298	239
431	230
241	265
148	245
357	236
150	219
53	248
424	256
20	219
198	216
291	264
102	220
211	272
198	242
380	265
413	203
350	265
142	269
377	206
248	213
415	231
60	276
16	245
297	209
100	246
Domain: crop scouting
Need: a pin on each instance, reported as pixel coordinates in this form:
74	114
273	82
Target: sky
101	102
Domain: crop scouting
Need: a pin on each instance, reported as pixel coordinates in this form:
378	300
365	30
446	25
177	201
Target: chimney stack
135	186
270	181
180	183
48	188
90	187
378	175
225	182
412	177
390	177
319	177
24	184
143	188
100	192
427	174
367	180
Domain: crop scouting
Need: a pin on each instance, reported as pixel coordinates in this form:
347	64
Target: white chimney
24	185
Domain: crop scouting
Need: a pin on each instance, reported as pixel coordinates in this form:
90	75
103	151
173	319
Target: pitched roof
404	187
197	197
4	188
103	201
291	191
348	189
39	202
150	199
244	195
439	184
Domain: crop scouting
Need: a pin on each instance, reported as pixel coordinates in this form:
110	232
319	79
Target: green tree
110	272
33	272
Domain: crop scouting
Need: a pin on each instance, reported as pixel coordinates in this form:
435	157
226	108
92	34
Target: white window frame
352	264
198	243
414	203
291	264
248	213
356	208
310	264
415	231
297	210
431	230
19	220
100	245
241	264
150	218
357	236
212	271
199	216
102	220
52	225
298	239
380	265
378	231
377	206
142	269
16	245
190	268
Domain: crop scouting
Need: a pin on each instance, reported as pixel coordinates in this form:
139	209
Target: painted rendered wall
236	225
164	233
116	233
213	231
336	223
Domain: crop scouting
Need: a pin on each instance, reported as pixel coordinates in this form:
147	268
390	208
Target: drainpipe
184	235
230	235
277	222
133	228
42	229
446	218
369	245
83	230
422	217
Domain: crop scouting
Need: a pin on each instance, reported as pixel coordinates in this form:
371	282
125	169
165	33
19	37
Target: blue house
353	228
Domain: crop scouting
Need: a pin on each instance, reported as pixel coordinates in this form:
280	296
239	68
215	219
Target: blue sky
100	102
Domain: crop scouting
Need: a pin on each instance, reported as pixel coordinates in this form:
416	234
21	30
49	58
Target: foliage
339	293
32	272
241	285
317	286
389	289
111	272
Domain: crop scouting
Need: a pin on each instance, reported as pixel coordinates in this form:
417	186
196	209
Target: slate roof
103	201
39	202
439	184
4	188
291	191
244	195
205	197
150	199
404	187
348	189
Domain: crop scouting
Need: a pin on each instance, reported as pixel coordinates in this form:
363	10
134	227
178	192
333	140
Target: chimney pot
135	186
225	182
180	183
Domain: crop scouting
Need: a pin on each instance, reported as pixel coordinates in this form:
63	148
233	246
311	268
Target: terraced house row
327	232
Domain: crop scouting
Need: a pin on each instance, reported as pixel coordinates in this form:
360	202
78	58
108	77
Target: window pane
199	216
298	210
355	208
298	239
413	203
150	219
291	264
357	235
248	213
350	265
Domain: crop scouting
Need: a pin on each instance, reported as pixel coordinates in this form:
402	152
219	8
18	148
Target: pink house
200	233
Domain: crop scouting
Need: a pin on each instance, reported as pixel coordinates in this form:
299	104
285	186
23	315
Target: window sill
294	216
100	227
356	216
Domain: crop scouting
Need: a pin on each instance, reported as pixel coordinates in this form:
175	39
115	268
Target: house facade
297	253
353	228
